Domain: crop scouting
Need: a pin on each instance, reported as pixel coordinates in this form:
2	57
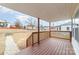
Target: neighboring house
4	24
63	27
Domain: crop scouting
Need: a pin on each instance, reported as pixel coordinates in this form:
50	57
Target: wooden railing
47	34
62	34
34	38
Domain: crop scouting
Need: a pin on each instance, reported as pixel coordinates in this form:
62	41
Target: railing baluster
27	43
32	40
70	36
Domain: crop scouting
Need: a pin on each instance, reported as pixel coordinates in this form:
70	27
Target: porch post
71	29
49	29
38	30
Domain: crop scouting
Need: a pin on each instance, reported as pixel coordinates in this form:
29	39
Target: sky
8	14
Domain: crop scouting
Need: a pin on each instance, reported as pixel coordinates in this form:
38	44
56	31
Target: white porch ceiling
46	11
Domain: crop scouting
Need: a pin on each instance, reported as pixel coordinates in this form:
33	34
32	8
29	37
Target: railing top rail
51	31
40	32
61	31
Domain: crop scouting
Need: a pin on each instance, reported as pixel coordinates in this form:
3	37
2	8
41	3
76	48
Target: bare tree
18	24
31	22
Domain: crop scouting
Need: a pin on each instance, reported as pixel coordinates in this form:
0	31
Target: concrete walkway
10	46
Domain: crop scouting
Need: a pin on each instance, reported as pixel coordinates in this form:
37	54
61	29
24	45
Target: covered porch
48	38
